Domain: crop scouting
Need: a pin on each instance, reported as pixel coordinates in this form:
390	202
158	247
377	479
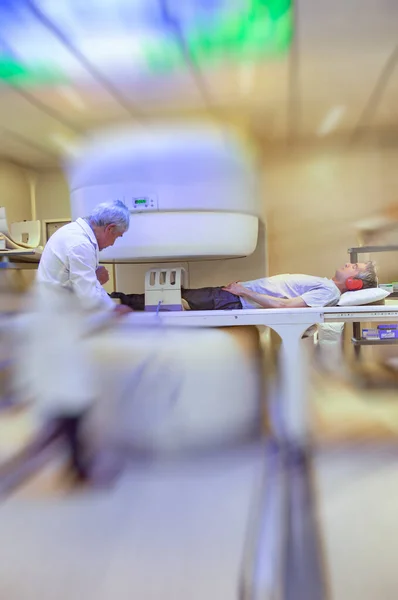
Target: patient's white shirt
315	291
69	261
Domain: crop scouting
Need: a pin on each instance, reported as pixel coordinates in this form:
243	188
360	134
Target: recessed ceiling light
331	120
72	97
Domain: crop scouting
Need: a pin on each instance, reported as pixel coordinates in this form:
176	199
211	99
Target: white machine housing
163	288
192	192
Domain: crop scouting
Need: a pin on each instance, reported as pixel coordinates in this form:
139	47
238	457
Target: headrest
367	296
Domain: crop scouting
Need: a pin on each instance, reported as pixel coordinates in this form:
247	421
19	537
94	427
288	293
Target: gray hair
110	213
369	276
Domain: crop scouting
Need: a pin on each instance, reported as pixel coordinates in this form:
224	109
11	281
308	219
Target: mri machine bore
193	193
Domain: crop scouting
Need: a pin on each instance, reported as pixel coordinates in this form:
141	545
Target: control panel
144	203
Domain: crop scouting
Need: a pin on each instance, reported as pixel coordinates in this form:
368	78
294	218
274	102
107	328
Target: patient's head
356	273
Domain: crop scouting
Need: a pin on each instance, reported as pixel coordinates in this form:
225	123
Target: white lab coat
54	367
70	260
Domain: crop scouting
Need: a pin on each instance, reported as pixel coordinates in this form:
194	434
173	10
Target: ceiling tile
341	81
386	114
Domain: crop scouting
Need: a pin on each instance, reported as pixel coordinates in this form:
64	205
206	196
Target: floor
357	490
166	531
179	530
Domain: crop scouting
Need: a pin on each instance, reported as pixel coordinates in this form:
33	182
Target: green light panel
261	29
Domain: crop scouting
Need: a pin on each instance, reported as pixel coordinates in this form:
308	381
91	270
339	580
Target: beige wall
15	196
15	192
313	199
52	196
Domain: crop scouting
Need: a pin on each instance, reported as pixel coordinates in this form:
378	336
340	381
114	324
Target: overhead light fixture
66	145
331	120
72	97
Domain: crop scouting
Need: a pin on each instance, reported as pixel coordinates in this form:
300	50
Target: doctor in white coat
55	367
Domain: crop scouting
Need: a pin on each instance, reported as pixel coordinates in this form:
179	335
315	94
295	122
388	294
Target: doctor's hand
236	288
122	309
102	275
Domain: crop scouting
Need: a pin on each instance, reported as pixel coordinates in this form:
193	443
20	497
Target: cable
158	307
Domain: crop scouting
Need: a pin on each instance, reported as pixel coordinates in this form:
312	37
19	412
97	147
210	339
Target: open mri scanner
193	194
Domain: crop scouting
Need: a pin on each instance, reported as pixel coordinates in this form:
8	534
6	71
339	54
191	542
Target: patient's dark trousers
208	298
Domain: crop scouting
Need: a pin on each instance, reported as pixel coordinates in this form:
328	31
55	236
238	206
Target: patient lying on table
279	291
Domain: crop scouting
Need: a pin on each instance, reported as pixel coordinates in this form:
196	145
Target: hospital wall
52	196
313	199
15	191
15	195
